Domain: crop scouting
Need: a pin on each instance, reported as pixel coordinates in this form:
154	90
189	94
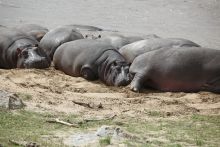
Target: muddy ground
53	91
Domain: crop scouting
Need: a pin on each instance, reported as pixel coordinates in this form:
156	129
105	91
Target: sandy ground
53	91
197	20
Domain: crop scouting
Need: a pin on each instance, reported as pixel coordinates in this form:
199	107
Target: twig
62	122
24	143
100	119
20	143
89	105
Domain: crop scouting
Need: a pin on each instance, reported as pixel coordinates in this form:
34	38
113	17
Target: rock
85	139
105	131
10	101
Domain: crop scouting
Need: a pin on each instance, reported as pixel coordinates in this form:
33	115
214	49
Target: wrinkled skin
131	51
18	50
186	69
92	59
33	30
54	38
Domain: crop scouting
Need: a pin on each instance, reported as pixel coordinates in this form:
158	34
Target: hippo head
32	57
118	74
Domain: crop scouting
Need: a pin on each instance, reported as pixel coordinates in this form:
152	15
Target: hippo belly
54	38
186	69
131	51
92	59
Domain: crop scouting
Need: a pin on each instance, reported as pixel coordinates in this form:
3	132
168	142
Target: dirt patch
53	91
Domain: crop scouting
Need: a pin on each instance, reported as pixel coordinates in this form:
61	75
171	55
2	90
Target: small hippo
54	38
186	69
19	50
92	59
33	30
131	51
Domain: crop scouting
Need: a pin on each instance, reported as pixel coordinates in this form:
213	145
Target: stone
10	101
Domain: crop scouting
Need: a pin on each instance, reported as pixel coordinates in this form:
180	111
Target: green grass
105	141
26	126
194	130
197	130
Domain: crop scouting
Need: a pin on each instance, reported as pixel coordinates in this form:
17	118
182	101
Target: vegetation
194	130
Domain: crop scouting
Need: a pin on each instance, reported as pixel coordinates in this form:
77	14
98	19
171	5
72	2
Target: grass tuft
105	141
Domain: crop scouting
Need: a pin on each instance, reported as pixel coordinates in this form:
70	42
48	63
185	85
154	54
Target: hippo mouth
40	64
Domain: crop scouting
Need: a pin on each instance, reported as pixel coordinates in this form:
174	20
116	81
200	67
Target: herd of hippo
166	64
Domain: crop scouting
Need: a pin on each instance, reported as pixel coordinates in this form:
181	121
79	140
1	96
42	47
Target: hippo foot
135	86
88	74
136	83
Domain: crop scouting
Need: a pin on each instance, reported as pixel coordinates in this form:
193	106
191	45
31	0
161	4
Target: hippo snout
123	80
41	62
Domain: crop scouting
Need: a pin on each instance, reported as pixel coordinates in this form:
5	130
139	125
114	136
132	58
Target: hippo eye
25	54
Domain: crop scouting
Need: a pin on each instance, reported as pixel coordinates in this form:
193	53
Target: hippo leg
88	74
137	83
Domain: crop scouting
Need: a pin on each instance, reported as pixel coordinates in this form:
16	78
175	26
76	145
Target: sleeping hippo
34	30
54	38
131	51
186	69
18	50
92	59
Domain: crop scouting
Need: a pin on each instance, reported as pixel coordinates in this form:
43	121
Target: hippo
92	59
84	27
34	30
118	40
54	38
19	50
186	69
131	51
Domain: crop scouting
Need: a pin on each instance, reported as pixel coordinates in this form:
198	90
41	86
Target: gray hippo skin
54	38
92	59
18	50
33	30
84	27
186	69
131	51
118	41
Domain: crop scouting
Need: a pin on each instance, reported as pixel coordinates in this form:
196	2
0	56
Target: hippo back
131	51
33	30
54	38
78	53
